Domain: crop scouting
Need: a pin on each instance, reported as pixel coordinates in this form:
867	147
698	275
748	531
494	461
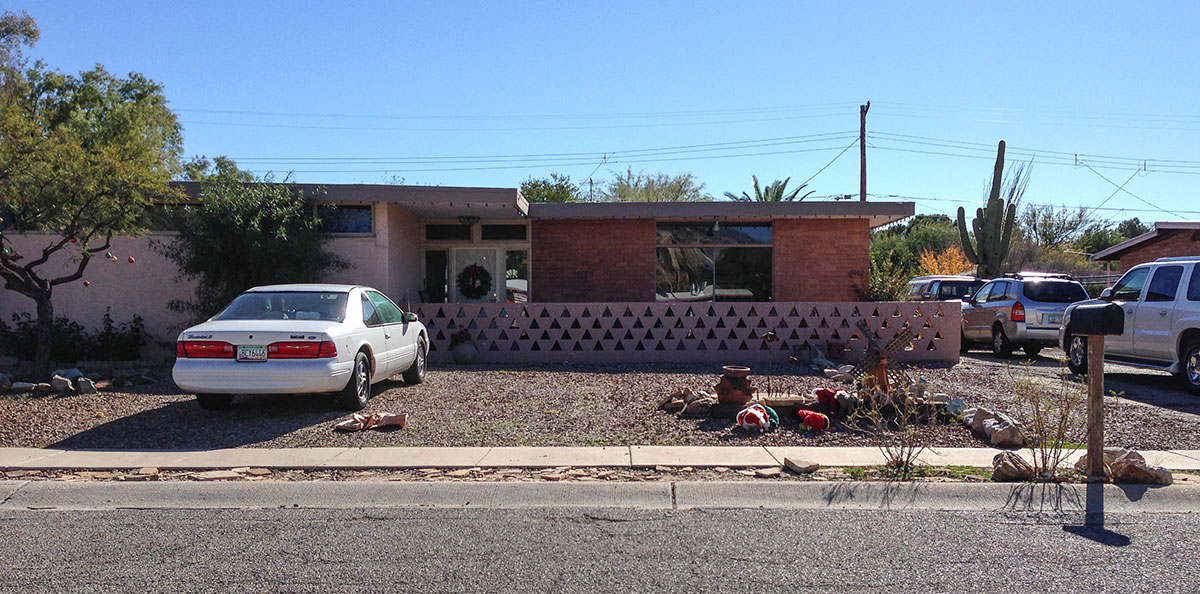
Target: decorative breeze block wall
685	332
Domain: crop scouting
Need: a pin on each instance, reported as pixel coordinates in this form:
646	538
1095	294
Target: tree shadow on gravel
252	419
1157	389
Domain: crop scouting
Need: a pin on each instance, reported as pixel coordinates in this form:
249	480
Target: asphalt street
259	547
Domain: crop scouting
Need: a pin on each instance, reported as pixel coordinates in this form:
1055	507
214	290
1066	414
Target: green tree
1051	227
245	234
81	158
220	168
655	187
776	191
556	188
1132	228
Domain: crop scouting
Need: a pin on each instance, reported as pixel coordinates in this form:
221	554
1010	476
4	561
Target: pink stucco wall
147	285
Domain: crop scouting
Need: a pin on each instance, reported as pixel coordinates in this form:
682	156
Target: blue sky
488	94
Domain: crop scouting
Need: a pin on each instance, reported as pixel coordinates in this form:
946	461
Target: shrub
72	342
1053	416
888	281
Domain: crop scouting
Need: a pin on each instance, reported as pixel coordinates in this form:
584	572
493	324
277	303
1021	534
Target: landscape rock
61	384
977	419
956	406
940	398
22	387
148	470
464	473
5	383
42	387
768	473
1132	468
1008	435
216	475
800	466
1110	456
84	385
1011	467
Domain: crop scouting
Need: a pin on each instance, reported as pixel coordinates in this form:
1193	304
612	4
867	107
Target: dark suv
1020	310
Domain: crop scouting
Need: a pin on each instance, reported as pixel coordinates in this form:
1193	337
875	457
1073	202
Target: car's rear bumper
225	376
1023	334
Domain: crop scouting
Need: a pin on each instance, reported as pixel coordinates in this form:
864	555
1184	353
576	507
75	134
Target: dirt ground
558	405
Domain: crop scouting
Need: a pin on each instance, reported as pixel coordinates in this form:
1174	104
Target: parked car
301	339
1161	300
943	287
1020	310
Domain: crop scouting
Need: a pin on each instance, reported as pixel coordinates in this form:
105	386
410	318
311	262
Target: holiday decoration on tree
474	281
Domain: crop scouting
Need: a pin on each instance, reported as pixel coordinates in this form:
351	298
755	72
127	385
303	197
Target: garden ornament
813	419
878	362
758	417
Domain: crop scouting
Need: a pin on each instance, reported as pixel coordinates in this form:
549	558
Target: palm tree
775	192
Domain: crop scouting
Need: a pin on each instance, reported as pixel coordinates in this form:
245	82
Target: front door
437	281
476	276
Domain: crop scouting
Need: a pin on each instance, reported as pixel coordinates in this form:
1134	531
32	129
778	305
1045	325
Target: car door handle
1163	313
386	335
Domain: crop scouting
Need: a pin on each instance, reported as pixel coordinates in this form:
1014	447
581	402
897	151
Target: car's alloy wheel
415	373
1191	369
1077	354
1000	345
358	388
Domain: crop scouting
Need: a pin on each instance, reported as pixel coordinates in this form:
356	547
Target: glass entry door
476	275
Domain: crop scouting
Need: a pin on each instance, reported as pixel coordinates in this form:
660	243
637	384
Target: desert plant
1053	416
72	342
891	421
776	191
888	281
993	227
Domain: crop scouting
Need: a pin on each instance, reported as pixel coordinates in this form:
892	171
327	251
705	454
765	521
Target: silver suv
1019	310
1161	300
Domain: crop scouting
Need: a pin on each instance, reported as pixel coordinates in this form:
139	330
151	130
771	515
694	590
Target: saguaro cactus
993	227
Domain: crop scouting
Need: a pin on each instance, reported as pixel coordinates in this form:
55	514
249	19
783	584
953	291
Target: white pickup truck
1161	300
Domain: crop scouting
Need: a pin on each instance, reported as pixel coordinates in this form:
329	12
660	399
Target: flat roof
878	213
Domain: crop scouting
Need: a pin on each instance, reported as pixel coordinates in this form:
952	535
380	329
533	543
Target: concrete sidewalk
390	458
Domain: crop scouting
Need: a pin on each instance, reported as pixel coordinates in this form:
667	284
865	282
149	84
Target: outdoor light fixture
716	228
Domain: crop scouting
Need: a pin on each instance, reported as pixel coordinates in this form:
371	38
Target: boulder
22	387
1110	456
5	383
1011	467
956	406
700	406
977	419
85	386
1132	468
61	384
42	387
989	426
800	466
1008	435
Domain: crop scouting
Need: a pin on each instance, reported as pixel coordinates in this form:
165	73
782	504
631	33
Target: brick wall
1169	242
821	259
589	261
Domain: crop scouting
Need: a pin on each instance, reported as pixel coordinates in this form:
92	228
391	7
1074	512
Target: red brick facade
1169	242
592	260
821	259
613	260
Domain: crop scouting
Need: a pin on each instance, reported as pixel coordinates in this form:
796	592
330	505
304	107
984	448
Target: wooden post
1095	407
862	151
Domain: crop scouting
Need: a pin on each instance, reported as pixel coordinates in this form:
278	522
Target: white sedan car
298	339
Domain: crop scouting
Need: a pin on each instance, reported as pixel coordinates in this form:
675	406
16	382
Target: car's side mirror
1106	294
409	317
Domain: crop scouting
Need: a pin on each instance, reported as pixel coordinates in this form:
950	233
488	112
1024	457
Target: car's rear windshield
287	305
958	289
1049	291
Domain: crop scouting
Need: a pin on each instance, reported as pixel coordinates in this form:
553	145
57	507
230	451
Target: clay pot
465	353
736	371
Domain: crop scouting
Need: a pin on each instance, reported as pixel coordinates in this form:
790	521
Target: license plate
252	353
1052	319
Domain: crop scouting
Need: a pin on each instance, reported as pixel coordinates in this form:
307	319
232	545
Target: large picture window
713	262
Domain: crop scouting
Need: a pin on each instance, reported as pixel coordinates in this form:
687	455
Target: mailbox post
1096	321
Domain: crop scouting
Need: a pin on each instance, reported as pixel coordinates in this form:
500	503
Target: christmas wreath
474	282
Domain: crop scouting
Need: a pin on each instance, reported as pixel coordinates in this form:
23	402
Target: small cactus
993	227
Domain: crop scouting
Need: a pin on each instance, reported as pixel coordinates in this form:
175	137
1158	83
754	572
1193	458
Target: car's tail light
301	350
1018	312
203	349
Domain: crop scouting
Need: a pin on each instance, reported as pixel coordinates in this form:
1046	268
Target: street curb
661	495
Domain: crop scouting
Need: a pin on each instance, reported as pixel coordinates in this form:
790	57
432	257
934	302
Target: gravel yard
574	405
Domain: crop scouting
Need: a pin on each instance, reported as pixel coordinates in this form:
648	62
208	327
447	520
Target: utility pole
862	151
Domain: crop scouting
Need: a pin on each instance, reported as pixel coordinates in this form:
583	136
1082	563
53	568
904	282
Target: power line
1177	213
559	116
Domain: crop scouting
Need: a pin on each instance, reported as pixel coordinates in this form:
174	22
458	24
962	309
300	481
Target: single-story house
1167	238
433	249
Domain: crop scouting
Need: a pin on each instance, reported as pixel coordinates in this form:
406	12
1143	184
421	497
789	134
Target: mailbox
1097	319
